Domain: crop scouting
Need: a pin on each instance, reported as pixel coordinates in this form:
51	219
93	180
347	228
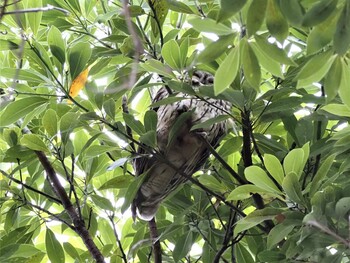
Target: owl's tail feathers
143	209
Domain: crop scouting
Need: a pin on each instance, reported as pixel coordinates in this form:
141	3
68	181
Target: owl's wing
144	161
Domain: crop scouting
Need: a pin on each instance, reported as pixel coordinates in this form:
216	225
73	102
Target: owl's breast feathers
186	151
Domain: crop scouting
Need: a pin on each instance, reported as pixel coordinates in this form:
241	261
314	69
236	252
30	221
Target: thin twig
123	256
329	232
92	36
216	211
222	161
39	9
155	17
2	9
30	188
51	214
227	237
138	47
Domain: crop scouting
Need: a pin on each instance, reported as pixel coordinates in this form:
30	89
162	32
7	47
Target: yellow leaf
78	83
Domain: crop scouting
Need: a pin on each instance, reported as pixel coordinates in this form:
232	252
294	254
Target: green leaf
34	18
271	66
211	182
44	59
16	252
150	120
342	207
209	25
96	150
6	44
33	142
321	174
278	233
23	74
79	55
215	49
160	8
256	15
19	109
292	10
102	202
274	167
109	108
178	125
56	44
255	218
172	55
149	138
181	87
319	12
251	65
242	254
71	251
156	66
245	191
342	34
67	124
135	125
337	109
275	21
258	176
294	162
179	7
292	188
183	246
277	54
230	146
167	100
315	69
333	80
50	120
131	191
119	182
304	130
271	256
344	90
223	78
321	35
75	4
229	8
208	123
53	248
183	51
118	163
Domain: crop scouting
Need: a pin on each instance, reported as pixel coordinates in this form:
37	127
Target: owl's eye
210	80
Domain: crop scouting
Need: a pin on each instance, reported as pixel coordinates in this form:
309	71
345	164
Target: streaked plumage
187	151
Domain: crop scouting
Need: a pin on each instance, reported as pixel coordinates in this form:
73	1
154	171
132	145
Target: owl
186	151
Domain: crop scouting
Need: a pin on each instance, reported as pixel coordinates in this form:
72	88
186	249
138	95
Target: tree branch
222	161
78	223
157	250
247	157
329	232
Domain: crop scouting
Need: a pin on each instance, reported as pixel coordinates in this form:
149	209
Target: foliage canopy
66	173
